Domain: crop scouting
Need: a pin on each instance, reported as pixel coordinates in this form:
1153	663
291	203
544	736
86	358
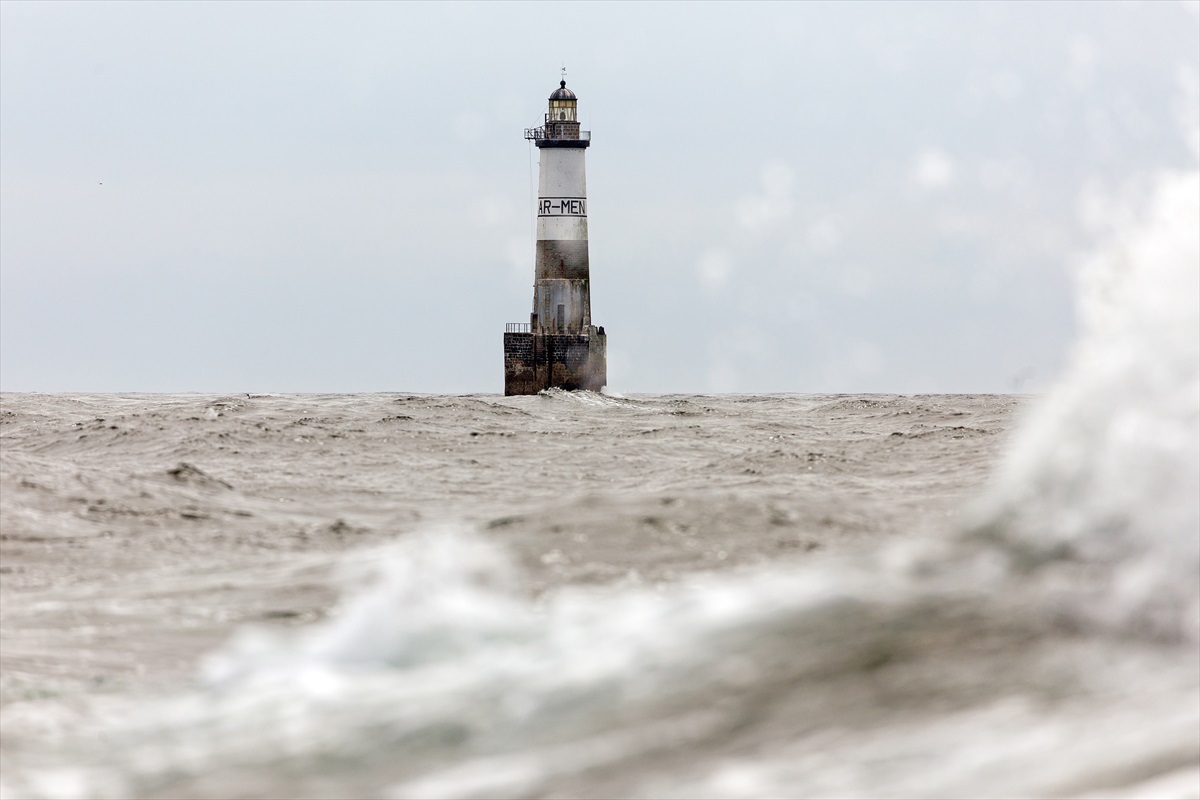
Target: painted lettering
562	207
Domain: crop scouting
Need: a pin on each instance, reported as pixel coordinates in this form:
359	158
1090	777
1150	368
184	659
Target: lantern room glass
562	110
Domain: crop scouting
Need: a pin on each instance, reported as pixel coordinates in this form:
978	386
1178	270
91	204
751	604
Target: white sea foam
1106	471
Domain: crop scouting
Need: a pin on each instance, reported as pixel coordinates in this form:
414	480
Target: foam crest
398	611
447	598
601	399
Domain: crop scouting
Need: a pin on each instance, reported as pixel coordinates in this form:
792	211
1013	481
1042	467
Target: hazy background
337	197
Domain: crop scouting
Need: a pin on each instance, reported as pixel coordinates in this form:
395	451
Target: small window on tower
562	115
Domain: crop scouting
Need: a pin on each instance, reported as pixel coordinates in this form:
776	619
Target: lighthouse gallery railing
540	133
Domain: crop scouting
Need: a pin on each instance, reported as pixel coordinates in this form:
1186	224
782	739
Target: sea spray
1106	470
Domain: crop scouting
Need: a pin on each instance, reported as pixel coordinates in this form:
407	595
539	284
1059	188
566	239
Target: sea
582	594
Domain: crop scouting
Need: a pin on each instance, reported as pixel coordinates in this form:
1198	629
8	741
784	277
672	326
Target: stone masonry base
537	361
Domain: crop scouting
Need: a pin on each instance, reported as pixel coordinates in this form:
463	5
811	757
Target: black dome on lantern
562	92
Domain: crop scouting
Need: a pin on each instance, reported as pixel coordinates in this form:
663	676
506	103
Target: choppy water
593	595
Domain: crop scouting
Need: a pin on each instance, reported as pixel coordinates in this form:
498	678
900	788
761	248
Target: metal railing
538	134
516	327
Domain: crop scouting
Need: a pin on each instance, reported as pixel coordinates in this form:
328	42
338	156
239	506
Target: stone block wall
537	361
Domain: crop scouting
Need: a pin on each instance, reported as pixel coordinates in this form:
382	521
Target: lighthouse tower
559	346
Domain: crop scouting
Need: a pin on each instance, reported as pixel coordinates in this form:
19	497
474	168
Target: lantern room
562	105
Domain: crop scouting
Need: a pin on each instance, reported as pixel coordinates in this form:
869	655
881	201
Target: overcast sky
782	197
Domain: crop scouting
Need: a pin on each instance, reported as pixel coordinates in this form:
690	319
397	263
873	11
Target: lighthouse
559	346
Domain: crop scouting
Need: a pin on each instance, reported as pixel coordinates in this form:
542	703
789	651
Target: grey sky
782	197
